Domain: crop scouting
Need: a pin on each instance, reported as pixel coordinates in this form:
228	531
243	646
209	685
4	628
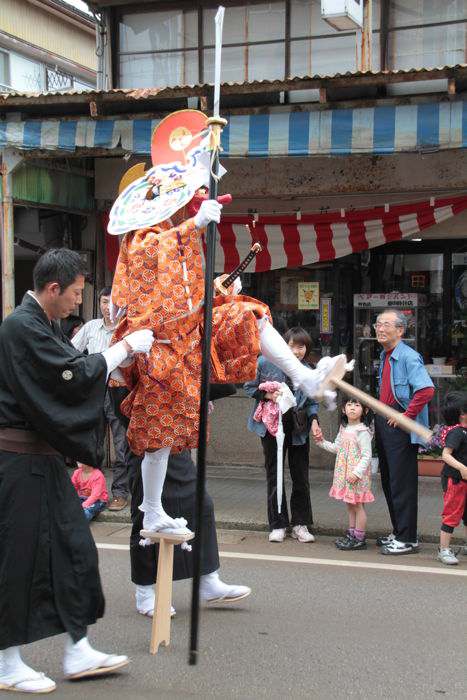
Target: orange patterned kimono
159	277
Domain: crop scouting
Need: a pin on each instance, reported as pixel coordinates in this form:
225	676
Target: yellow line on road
284	559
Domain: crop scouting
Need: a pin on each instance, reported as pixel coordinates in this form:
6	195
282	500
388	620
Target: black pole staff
216	123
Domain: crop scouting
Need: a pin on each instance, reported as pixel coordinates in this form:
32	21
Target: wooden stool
160	632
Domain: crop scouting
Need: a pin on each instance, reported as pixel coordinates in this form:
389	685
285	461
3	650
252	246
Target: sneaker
395	547
383	541
302	534
447	556
351	543
342	540
277	535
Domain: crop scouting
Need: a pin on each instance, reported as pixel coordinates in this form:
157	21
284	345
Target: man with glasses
404	384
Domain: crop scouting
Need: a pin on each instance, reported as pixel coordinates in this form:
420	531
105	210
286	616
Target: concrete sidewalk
239	495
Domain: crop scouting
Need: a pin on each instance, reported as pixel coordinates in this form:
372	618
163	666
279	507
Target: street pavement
319	624
239	495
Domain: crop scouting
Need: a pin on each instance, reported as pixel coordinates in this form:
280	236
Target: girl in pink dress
352	471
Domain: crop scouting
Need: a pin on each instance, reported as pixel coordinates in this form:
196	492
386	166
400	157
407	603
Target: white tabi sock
212	588
14	673
153	473
146	601
80	657
275	349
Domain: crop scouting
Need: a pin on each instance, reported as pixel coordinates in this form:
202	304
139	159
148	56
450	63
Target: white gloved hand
349	367
140	341
210	210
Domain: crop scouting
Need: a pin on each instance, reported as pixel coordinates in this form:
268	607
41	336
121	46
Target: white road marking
284	559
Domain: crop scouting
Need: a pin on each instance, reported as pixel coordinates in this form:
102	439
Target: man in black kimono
178	496
51	404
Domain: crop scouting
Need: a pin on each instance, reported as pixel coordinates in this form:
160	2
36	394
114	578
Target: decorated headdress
181	158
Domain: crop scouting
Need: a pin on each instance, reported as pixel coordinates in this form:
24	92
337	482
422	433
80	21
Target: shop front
337	206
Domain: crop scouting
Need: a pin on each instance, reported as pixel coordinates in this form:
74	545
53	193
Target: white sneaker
277	535
302	534
395	548
447	556
81	660
213	590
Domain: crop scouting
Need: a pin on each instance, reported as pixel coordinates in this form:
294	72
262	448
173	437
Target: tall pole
216	123
366	53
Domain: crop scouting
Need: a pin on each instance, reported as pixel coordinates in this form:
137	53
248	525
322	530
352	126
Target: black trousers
399	478
178	499
299	465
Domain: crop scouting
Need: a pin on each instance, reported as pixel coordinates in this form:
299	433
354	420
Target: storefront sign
325	325
394	299
308	295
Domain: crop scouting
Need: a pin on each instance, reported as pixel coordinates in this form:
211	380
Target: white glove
210	210
140	341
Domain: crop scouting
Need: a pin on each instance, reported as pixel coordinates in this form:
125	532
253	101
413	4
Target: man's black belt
24	442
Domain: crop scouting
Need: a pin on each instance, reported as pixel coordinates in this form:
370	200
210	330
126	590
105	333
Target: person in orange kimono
159	282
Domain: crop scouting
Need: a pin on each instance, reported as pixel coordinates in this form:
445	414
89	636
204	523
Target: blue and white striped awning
378	130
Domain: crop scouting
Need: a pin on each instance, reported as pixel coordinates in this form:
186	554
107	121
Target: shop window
26	75
57	80
159	70
4	70
428	47
425	11
247	26
158	49
459	311
427	33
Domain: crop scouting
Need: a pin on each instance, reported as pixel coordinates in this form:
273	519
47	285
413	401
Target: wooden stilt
160	633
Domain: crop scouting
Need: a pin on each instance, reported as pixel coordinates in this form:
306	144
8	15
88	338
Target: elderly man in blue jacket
404	384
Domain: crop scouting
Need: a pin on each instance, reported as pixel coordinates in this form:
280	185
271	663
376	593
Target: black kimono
49	578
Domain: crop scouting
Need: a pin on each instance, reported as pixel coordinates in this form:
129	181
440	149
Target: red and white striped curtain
287	242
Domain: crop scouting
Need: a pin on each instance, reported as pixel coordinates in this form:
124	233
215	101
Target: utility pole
366	38
10	160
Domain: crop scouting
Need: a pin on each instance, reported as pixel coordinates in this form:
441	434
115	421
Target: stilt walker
159	284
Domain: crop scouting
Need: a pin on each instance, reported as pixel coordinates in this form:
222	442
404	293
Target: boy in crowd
454	474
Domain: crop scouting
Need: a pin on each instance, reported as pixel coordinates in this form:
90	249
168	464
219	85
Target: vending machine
366	348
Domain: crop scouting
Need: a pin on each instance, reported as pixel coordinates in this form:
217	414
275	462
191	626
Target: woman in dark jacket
297	423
